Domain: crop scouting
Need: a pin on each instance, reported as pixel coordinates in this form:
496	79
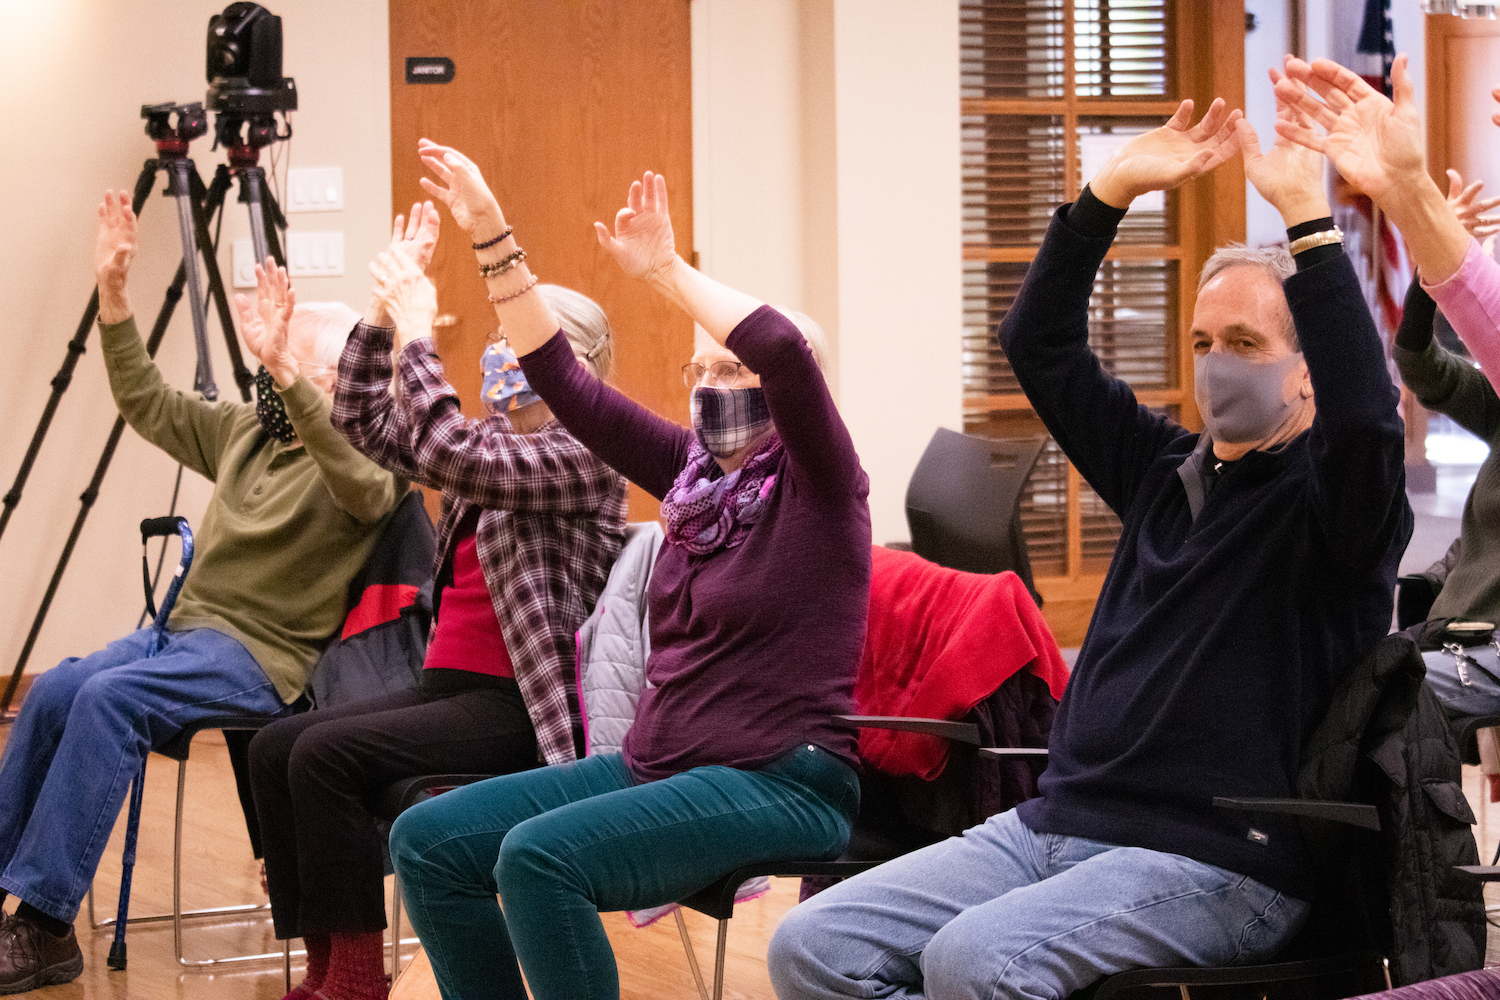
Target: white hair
585	325
816	339
321	329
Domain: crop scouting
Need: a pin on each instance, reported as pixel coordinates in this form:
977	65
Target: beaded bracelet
501	266
516	294
498	239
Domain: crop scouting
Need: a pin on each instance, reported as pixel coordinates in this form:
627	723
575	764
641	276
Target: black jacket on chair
1385	740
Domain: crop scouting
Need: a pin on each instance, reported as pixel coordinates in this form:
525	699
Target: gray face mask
1241	401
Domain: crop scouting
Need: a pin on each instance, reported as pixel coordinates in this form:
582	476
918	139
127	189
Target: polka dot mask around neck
270	410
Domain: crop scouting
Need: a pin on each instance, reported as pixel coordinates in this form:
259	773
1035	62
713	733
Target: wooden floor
218	870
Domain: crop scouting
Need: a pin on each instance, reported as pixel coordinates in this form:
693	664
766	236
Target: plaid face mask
505	386
728	419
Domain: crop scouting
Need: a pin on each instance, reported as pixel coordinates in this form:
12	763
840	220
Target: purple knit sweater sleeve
644	448
1471	301
818	445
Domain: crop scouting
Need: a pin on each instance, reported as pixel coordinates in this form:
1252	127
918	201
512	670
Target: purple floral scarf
703	514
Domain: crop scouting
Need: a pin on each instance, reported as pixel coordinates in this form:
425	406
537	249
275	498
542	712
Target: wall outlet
314	189
314	255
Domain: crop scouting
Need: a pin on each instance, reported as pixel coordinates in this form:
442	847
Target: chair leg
687	946
286	964
719	960
395	927
177	865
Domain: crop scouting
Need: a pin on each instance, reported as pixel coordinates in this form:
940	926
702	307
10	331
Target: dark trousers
315	775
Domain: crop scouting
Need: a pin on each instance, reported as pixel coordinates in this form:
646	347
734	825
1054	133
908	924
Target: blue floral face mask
505	386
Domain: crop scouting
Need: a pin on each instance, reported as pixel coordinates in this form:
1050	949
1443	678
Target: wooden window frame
1207	61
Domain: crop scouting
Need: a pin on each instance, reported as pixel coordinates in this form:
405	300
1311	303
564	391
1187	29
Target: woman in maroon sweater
757	608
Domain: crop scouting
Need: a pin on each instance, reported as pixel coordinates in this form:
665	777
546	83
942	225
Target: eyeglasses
724	374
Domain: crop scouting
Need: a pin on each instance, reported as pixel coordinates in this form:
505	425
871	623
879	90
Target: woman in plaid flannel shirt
757	607
532	522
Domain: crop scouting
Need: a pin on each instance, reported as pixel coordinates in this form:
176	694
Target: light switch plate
314	255
243	262
314	189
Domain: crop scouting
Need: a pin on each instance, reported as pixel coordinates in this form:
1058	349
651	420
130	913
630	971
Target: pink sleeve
1471	301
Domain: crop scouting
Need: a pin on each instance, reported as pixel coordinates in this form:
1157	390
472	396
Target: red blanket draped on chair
939	642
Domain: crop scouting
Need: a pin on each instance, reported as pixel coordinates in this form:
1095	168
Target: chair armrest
959	732
1484	873
1013	753
1353	813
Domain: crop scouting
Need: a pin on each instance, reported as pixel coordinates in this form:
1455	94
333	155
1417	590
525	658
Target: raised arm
643	447
190	429
1094	416
359	487
1440	380
1376	144
365	406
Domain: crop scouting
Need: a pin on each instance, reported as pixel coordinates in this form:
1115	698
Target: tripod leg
64	376
180	189
158	330
201	214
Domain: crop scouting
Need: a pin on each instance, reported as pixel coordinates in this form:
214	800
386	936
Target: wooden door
561	103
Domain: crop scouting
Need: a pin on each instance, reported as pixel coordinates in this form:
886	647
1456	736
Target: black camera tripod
196	206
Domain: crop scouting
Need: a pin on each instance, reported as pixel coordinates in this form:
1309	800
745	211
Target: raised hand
408	296
642	243
113	252
1290	176
1374	142
265	326
1168	156
1468	210
461	187
416	235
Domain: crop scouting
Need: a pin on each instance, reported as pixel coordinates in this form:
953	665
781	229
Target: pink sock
356	968
318	947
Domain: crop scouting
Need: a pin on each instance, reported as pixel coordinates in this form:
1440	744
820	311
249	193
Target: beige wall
826	171
76	73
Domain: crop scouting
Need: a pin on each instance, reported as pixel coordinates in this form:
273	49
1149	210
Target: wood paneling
561	103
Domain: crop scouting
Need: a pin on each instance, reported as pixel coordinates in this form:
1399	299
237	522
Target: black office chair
963	503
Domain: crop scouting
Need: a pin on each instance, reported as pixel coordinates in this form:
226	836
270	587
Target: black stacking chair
963	503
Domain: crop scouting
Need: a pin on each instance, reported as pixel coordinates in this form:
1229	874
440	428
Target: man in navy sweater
1256	564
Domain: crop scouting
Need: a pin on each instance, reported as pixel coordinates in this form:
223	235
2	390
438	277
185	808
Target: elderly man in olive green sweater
294	512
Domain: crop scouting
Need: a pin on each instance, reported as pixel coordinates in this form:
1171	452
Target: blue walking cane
151	527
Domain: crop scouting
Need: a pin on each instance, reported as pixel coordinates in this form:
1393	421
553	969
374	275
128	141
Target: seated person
531	524
1255	566
294	512
757	609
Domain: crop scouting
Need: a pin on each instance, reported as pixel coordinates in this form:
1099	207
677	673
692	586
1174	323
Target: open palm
461	187
642	243
1169	156
1289	171
1374	142
265	326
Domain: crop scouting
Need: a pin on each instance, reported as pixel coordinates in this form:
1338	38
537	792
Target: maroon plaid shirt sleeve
364	410
484	461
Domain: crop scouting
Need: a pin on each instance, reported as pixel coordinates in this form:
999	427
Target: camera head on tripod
245	85
172	139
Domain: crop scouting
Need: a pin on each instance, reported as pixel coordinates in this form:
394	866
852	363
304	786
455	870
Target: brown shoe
30	958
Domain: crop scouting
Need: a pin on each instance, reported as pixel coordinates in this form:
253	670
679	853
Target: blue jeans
1006	912
83	731
559	844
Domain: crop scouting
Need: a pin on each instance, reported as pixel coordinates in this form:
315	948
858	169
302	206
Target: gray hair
326	327
585	325
1275	261
816	339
